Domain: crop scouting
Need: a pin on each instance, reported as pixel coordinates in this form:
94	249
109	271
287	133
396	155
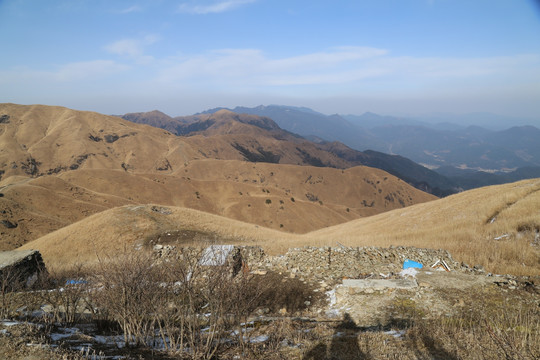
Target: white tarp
216	255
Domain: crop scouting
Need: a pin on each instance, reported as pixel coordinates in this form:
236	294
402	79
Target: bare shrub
65	292
10	283
129	292
483	332
278	292
192	317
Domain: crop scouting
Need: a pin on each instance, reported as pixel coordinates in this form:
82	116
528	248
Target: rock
479	268
8	224
163	165
4	119
111	138
259	272
20	268
162	210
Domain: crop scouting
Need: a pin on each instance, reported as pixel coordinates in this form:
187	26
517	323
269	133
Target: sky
391	57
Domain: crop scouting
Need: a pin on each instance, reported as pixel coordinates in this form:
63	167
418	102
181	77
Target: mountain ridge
263	148
85	163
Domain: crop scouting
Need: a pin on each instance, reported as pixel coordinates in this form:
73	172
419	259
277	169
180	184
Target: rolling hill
497	227
260	139
59	166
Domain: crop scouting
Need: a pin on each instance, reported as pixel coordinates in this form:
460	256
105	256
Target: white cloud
251	67
336	73
213	7
130	47
86	69
133	48
343	70
70	72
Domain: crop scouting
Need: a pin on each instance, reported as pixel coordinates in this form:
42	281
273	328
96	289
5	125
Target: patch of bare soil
435	294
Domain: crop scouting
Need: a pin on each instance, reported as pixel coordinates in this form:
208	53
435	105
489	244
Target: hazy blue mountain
470	179
307	122
486	120
370	120
428	141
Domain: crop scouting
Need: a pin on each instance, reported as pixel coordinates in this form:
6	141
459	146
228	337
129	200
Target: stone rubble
328	264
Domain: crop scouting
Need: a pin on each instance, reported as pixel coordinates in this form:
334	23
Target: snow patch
408	272
396	333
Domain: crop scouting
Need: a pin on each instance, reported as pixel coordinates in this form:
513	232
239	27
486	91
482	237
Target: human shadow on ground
344	344
424	342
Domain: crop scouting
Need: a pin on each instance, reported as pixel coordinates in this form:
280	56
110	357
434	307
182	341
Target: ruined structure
331	264
19	268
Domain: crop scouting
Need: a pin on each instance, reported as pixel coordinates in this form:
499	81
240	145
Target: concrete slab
20	268
8	258
380	283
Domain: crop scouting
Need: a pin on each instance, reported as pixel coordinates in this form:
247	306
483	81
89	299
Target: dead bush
278	292
10	283
66	292
129	291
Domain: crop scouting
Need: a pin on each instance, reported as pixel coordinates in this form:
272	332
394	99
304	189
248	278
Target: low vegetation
184	310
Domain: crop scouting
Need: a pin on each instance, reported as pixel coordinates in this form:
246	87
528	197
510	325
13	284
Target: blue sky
336	56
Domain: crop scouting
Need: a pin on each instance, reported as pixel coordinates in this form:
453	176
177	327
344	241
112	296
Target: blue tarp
76	282
412	264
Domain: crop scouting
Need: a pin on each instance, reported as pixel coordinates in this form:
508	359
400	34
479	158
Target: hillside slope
115	230
60	165
292	198
260	139
43	140
497	227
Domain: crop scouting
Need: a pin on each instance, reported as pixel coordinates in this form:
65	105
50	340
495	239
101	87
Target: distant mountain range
59	166
489	156
260	139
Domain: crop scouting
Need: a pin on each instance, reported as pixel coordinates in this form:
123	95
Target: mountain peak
224	112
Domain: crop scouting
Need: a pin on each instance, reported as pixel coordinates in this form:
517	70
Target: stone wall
331	263
336	263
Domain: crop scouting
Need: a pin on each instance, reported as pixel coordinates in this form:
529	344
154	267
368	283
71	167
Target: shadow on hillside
344	344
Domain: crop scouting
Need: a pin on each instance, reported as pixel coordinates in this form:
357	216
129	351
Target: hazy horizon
399	58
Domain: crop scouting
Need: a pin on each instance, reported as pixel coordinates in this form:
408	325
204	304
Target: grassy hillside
494	226
471	225
58	166
111	231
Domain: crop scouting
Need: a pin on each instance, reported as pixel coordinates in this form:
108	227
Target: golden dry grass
111	231
60	166
492	226
460	223
234	189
